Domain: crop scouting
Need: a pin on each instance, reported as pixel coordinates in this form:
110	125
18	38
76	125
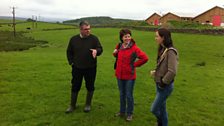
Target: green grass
18	43
35	84
9	21
40	26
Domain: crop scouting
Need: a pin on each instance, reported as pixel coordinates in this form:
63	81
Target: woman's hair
164	33
124	32
167	41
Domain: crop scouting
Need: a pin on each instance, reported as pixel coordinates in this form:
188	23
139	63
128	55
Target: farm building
156	19
186	18
169	17
153	19
213	16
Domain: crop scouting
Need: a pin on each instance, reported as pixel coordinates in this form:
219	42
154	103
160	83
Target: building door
156	22
216	20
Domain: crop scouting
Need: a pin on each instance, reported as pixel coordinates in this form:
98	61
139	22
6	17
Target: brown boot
72	106
88	101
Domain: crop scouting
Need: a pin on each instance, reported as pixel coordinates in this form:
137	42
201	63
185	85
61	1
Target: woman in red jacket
126	53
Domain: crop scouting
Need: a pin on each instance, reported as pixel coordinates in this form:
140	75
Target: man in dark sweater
82	53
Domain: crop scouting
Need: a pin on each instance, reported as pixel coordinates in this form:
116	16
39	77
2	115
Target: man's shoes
74	96
88	101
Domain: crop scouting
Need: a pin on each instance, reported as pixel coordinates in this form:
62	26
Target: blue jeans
126	88
158	107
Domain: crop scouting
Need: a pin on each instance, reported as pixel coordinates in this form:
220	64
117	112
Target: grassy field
35	84
19	43
9	21
40	26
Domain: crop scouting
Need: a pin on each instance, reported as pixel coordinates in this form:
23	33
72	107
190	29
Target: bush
188	25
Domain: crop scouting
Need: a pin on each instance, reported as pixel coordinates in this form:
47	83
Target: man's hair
83	23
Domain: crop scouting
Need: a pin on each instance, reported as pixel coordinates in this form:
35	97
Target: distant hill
44	19
99	21
8	20
94	21
8	17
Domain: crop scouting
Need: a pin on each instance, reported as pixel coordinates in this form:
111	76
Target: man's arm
99	48
69	53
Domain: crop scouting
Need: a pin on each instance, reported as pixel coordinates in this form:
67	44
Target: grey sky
128	9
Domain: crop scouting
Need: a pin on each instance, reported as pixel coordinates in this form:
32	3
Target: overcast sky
128	9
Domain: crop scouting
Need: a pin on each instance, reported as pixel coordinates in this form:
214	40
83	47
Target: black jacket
79	53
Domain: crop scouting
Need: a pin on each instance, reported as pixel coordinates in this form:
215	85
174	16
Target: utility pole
36	21
32	21
14	23
39	17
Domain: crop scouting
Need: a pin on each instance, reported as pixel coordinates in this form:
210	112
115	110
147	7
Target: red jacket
126	62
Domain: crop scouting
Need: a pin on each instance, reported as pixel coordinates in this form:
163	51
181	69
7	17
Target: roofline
186	17
207	11
170	13
152	15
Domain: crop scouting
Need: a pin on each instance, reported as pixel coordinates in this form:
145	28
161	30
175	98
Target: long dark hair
167	42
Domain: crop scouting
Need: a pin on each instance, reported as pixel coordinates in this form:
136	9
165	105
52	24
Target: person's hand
161	84
115	51
94	52
152	73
